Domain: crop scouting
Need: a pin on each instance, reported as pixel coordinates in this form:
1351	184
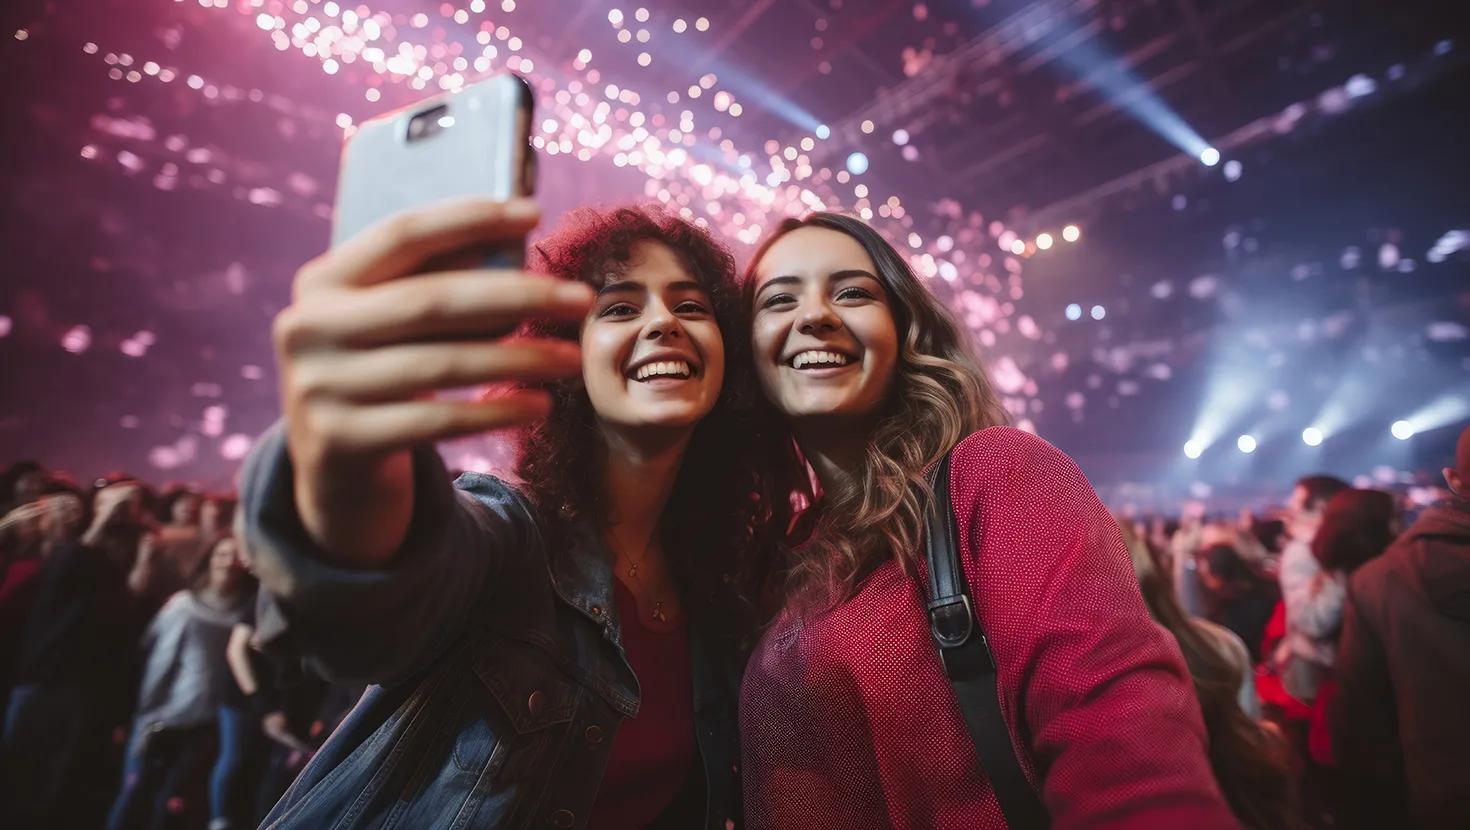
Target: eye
854	293
691	307
618	310
777	300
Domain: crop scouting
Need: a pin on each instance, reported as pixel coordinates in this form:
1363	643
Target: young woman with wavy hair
548	653
847	718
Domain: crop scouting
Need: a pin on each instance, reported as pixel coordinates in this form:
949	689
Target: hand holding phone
421	284
370	333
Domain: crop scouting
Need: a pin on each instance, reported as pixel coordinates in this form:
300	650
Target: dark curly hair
707	521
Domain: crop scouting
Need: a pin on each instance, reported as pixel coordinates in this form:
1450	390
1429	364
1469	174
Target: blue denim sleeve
375	625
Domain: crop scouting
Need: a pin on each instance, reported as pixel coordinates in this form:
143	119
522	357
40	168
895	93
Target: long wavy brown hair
825	546
707	520
1249	764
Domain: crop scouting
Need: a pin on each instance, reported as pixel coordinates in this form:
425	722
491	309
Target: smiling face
652	353
823	333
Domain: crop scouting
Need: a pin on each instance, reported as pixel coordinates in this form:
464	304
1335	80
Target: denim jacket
497	668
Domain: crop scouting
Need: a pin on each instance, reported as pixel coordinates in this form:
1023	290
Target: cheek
766	337
875	329
711	346
603	349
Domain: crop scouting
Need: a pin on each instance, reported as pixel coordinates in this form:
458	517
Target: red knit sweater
847	719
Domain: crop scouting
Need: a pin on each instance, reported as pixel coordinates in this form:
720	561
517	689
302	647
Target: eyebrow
633	287
844	274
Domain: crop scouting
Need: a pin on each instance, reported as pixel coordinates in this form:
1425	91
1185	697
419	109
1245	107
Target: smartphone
474	142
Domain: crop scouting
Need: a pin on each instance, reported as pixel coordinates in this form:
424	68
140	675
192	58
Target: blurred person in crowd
176	546
1193	535
183	701
216	515
28	535
1302	647
73	667
1249	762
178	505
1356	526
260	680
1162	602
847	718
21	482
560	652
1235	595
1401	720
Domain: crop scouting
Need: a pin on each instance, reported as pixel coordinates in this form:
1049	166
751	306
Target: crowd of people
1342	618
702	603
131	695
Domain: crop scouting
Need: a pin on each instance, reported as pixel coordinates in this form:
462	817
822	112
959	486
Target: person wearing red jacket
847	718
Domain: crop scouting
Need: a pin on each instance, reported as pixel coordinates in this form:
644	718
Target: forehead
812	252
652	264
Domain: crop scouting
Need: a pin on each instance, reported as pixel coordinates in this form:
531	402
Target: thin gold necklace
632	571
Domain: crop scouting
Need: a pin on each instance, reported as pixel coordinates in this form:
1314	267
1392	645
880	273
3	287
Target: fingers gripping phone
475	142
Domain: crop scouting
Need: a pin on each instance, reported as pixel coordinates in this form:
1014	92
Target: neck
637	481
215	594
835	452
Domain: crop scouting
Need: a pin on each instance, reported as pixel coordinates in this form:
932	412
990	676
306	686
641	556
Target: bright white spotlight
1193	448
1209	157
1098	312
823	131
1071	233
1246	443
1043	241
1074	311
1402	430
1312	436
1018	247
900	137
857	164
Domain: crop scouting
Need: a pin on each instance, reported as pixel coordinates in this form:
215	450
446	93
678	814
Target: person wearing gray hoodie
1401	722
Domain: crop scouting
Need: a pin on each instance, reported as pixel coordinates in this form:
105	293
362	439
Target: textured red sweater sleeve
1097	691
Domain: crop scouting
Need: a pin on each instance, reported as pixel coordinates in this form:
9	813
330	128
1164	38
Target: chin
672	416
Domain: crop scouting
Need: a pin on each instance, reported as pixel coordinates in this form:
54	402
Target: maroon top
652	752
847	719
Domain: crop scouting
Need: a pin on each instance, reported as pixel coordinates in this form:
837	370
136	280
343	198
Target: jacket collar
581	573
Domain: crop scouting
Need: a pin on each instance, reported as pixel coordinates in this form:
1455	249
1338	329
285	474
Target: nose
662	324
817	316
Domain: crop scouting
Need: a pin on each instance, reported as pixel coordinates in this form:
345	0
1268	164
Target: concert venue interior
1167	223
1215	251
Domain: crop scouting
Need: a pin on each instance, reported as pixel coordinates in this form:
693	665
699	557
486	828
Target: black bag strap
968	663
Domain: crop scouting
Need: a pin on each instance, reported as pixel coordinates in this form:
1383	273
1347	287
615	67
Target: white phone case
477	146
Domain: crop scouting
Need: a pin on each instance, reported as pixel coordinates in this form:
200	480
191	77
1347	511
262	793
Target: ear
1455	482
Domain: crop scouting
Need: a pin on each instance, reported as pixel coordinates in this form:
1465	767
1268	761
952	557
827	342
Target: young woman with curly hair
847	718
544	654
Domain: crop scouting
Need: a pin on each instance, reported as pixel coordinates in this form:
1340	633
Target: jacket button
535	702
562	818
593	734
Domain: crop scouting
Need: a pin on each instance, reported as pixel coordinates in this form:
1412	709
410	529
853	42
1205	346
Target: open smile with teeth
817	359
677	369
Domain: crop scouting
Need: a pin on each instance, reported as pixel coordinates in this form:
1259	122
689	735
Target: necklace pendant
633	571
658	613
